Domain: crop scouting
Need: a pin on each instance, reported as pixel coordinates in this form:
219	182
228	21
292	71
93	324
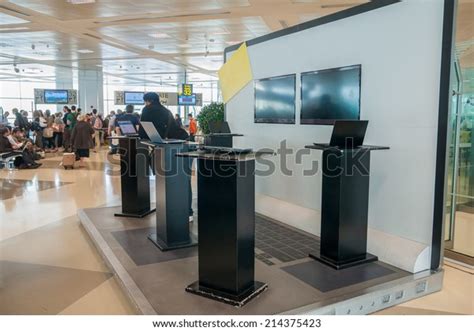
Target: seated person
25	158
17	138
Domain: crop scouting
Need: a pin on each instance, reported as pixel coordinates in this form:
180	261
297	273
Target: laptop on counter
347	134
219	128
127	128
155	137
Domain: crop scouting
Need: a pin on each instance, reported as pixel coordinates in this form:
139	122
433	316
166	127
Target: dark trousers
67	139
58	139
39	139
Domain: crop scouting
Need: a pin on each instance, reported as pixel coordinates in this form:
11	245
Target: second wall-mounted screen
275	100
330	95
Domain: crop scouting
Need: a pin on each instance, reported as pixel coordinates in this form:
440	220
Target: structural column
91	90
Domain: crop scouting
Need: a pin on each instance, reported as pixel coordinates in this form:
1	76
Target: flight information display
134	98
56	97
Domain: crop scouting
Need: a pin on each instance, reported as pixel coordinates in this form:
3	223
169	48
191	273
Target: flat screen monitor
56	97
127	128
219	127
134	98
187	100
330	95
275	100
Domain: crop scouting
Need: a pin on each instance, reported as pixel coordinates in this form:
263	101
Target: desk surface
152	144
364	147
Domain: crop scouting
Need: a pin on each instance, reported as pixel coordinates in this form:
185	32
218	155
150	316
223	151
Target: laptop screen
127	128
219	127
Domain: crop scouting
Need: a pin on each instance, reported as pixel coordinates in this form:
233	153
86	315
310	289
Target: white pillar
91	90
64	81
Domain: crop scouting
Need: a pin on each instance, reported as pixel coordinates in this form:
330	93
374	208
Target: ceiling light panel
111	8
56	46
8	19
188	37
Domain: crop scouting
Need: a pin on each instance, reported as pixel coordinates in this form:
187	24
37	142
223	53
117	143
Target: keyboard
226	150
321	145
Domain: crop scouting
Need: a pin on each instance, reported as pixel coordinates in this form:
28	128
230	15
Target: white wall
399	47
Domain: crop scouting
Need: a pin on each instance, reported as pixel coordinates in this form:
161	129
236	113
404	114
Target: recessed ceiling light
233	42
220	33
184	45
80	2
85	51
15	29
159	35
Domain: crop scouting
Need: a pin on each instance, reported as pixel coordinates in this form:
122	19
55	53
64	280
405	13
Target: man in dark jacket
167	127
161	117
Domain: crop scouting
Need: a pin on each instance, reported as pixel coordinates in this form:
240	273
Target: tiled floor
40	236
163	276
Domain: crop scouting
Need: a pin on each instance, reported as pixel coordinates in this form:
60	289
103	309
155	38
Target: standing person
178	120
98	124
58	128
70	122
48	135
129	116
166	126
81	138
192	127
19	120
37	126
161	117
111	133
4	119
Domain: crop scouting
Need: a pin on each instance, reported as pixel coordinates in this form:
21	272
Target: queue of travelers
28	139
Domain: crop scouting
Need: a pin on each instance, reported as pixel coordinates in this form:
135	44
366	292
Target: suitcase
68	160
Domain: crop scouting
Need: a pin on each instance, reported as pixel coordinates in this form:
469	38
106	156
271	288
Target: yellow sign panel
235	73
187	90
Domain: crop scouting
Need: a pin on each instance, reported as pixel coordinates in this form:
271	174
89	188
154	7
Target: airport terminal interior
229	203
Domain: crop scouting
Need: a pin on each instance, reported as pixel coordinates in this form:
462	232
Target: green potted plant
213	112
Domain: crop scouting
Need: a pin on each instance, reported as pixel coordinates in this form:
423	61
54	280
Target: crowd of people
26	139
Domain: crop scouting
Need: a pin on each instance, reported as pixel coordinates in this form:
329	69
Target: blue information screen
134	98
55	97
184	100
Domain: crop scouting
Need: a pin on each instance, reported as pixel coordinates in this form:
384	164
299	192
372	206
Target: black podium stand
345	205
135	181
226	226
173	186
221	139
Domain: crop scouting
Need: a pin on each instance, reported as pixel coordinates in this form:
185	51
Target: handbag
48	133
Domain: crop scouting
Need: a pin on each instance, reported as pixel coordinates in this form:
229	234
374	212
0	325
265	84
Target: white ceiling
141	39
151	40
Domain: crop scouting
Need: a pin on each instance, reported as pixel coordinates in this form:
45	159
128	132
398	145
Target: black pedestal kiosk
226	225
173	188
345	204
135	180
221	139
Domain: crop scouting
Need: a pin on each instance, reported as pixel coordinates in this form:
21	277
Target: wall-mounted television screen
330	95
275	100
134	98
56	97
187	100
